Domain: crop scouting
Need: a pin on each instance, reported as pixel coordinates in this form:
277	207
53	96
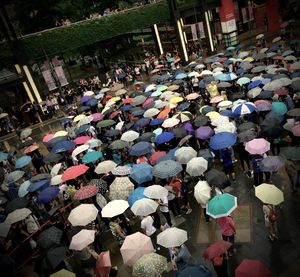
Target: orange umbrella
278	58
74	171
103	264
163	114
31	148
127	100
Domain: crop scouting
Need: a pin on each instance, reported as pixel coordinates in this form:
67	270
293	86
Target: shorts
228	169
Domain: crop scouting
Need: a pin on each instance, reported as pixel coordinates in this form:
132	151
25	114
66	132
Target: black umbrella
17	203
265	94
296	85
118	144
39	177
112	133
291	153
148	136
246	126
52	158
206	154
26	143
247	135
49	237
53	258
200	120
215	177
179	132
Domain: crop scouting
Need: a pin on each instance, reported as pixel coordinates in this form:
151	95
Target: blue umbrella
83	108
265	94
183	106
244	108
64	121
91	157
164	137
63	146
156	121
38	185
23	189
254	84
137	194
222	77
126	108
141	173
193	271
141	148
47	195
92	102
82	129
275	117
230	48
3	156
222	140
141	123
23	161
240	71
180	76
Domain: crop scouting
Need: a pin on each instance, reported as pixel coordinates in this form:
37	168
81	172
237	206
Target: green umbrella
221	205
118	144
291	153
150	265
279	107
92	156
106	123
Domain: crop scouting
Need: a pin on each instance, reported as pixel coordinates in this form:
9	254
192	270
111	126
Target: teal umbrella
279	107
92	156
221	205
23	189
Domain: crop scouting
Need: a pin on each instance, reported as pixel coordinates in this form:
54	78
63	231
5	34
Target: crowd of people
131	151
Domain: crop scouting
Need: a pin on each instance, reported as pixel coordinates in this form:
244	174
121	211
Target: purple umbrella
264	106
271	163
189	127
141	123
204	132
85	99
47	195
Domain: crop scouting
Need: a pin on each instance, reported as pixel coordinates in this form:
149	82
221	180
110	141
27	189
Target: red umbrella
31	148
222	59
86	192
252	268
155	156
103	264
127	100
48	137
278	58
82	139
216	249
147	102
281	91
113	114
74	171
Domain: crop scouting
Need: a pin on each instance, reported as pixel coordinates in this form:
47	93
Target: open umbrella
290	152
121	170
222	140
202	192
86	192
25	133
14	176
23	161
63	273
166	169
105	167
221	205
23	189
137	194
114	208
279	107
17	203
130	136
41	184
141	148
31	148
215	177
149	265
47	195
172	237
82	239
134	247
118	145
92	156
49	237
271	163
141	173
252	268
196	166
257	146
52	158
185	154
193	271
17	215
74	172
269	194
144	207
63	146
53	257
120	188
83	215
245	108
216	249
155	192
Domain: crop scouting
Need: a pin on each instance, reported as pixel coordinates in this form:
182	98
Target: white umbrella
17	215
83	215
88	93
285	81
119	126
92	143
172	237
260	36
130	136
144	207
151	112
155	192
55	169
150	87
273	85
85	120
79	117
56	180
225	127
26	133
121	92
105	167
202	192
185	154
276	39
225	104
254	92
170	122
219	120
206	72
295	66
60	134
196	166
114	208
82	239
79	150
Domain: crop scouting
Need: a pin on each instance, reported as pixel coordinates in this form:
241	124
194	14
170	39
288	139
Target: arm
119	232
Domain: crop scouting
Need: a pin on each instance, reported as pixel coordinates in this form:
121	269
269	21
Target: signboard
49	79
61	75
228	26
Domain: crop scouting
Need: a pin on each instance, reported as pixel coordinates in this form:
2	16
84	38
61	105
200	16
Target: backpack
272	215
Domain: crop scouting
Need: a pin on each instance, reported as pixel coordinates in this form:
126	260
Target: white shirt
147	225
164	206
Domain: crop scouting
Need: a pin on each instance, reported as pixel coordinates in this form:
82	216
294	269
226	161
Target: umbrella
243	81
120	188
23	161
155	156
74	172
216	249
221	205
185	154
141	173
14	176
63	273
225	127
279	107
200	120
91	157
26	133
105	123
140	149
121	170
63	146
149	265
114	208
118	144
137	194
56	180
86	192
41	184
215	177
134	247
155	192
151	112
271	163
23	189
82	140
138	100
130	136
83	214
97	117
291	153
244	108
247	135
172	237
252	268
141	123
170	122
31	148
269	194
219	120
257	146
52	158
202	192
166	169
17	215
105	167
294	112
296	130
53	257
3	156
55	169
263	105
40	177
183	116
222	140
144	207
47	195
49	237
196	166
82	239
193	271
164	137
79	149
103	264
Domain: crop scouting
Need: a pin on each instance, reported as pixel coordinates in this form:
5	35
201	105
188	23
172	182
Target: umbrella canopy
93	143
166	169
141	173
83	214
47	195
105	167
222	140
202	192
31	148
118	144
134	247
14	176
247	135
221	205
52	158
279	107
63	273
86	192
55	169
130	136
42	184
53	257
172	237
216	249
252	268
23	189
56	180
25	133
91	157
269	194
17	215
170	122
121	170
245	108
82	239
215	177
144	207
103	264
49	237
114	208
204	132
200	120
155	192
271	163
164	137
185	154
257	146
74	172
17	203
137	194
193	271
141	148
120	188
149	265
291	153
196	166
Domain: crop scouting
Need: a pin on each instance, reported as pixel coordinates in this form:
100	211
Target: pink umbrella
296	130
252	268
192	96
31	148
147	102
217	99
74	171
48	137
82	140
97	117
86	192
257	146
134	247
103	264
284	24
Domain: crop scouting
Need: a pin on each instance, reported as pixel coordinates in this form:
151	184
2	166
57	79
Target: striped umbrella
245	108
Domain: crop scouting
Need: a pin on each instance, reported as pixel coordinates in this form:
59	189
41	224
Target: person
220	265
164	208
148	228
228	231
117	231
226	159
257	173
180	257
271	217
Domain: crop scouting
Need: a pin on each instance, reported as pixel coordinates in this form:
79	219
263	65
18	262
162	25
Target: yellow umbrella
269	194
115	99
60	134
79	117
176	100
63	273
248	59
213	115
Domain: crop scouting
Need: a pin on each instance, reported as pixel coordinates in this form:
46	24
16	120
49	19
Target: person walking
226	159
257	173
271	217
164	208
149	229
180	257
228	231
220	265
117	231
